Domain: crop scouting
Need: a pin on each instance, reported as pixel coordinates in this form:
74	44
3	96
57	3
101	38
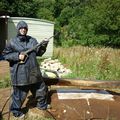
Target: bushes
93	23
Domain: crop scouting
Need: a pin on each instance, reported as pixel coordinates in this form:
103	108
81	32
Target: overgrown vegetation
90	62
80	22
5	81
86	63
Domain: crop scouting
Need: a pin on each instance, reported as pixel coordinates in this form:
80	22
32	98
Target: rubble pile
54	66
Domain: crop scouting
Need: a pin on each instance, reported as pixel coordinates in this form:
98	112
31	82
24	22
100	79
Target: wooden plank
89	83
60	82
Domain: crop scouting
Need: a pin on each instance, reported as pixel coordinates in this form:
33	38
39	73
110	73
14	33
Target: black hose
4	107
51	115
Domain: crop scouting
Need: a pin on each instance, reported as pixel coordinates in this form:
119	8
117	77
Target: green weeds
90	63
5	82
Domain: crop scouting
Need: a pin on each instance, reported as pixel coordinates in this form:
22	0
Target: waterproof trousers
39	91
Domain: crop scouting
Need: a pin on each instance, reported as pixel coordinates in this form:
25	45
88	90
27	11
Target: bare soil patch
70	109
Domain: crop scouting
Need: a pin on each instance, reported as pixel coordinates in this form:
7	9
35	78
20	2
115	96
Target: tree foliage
101	19
85	22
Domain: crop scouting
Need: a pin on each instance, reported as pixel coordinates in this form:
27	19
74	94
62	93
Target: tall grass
5	82
90	63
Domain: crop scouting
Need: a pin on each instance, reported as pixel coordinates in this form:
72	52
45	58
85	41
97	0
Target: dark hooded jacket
28	72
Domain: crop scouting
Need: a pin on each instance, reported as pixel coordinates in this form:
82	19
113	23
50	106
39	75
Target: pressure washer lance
46	40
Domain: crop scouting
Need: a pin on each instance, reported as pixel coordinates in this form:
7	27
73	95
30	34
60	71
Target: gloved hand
21	56
44	43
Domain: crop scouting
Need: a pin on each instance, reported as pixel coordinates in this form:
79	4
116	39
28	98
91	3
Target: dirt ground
71	109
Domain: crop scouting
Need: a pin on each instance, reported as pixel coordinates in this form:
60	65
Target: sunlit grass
90	63
5	82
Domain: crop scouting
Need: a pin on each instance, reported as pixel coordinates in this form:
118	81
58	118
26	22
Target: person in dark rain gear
25	76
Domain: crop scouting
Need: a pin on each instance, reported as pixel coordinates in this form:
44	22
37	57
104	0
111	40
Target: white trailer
38	28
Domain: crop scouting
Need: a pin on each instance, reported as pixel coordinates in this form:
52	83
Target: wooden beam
89	83
82	83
